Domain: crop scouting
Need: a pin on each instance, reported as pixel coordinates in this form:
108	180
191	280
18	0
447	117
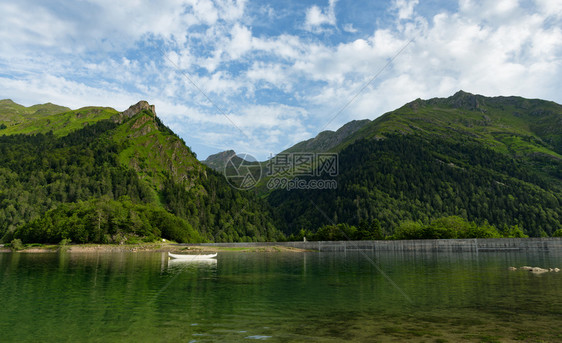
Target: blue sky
260	76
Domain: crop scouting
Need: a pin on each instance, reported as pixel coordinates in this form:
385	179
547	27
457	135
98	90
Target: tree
369	230
16	244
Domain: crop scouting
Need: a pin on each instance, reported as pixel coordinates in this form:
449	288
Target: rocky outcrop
467	101
137	108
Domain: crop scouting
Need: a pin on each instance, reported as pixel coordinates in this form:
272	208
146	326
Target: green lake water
280	297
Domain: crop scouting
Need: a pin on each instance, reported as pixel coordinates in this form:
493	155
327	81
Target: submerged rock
538	270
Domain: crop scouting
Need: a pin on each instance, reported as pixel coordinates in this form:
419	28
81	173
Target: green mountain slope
119	177
514	125
45	118
495	160
153	150
10	112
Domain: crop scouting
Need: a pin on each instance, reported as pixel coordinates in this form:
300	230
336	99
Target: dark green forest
413	178
74	187
451	227
104	220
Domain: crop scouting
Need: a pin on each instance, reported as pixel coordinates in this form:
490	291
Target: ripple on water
259	337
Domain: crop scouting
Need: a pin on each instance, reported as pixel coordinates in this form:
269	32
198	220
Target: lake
280	297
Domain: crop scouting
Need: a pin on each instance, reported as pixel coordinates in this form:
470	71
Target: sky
261	76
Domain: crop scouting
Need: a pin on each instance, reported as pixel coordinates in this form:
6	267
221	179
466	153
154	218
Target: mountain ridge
485	159
494	159
326	140
104	176
10	111
218	161
492	120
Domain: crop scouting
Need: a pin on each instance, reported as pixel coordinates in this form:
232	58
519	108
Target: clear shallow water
280	297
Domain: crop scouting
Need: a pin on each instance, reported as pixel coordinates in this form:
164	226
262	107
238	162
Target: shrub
16	244
65	242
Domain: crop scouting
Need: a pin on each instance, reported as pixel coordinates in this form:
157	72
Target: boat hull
191	257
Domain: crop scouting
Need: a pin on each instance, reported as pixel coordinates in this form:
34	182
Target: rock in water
538	270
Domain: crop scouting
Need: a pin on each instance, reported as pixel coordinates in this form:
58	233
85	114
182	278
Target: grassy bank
156	247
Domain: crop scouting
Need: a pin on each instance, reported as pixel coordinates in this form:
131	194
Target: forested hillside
463	166
127	177
487	160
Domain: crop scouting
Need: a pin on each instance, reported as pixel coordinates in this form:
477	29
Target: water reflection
191	264
278	297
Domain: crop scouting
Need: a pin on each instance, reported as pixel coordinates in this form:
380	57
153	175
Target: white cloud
349	28
317	17
47	88
241	41
274	75
550	7
277	86
38	26
405	8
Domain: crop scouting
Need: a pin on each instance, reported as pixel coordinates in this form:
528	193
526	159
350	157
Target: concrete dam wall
427	245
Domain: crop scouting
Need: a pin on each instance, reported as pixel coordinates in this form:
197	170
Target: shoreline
152	247
473	245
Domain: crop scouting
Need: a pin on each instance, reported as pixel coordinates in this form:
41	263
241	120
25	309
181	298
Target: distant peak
461	93
221	155
137	108
469	101
219	160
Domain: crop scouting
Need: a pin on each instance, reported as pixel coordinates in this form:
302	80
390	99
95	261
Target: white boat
191	257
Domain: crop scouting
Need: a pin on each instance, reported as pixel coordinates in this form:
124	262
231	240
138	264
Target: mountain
513	125
495	160
15	118
103	176
99	175
327	140
10	112
323	142
220	160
